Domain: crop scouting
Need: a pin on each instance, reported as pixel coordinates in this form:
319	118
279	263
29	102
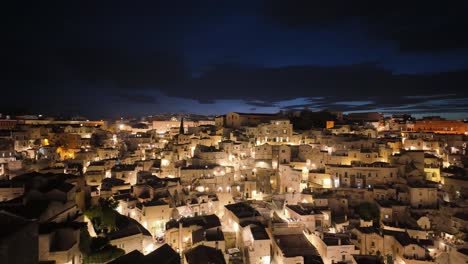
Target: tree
97	139
85	242
97	249
105	255
104	216
108	203
308	119
369	211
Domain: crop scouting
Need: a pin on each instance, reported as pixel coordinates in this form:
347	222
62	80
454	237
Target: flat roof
294	245
242	210
304	209
259	232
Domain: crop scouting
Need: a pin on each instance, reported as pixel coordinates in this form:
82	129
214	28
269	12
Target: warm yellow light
149	248
326	183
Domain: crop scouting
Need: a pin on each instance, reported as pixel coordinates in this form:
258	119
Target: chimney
346	217
339	241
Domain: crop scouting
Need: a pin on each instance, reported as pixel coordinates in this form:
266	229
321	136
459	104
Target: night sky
118	58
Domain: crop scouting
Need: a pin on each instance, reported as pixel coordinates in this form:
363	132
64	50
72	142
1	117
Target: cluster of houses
241	188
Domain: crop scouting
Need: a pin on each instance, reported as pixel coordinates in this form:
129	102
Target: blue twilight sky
116	58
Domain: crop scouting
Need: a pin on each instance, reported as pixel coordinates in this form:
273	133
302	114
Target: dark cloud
259	103
136	98
414	25
97	67
207	101
389	104
261	86
69	56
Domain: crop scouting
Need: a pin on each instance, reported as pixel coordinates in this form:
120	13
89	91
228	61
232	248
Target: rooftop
420	184
12	221
367	259
295	245
134	256
123	167
204	254
162	255
193	167
205	221
242	210
389	203
155	202
461	215
368	230
259	232
133	228
402	237
214	234
304	209
333	240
